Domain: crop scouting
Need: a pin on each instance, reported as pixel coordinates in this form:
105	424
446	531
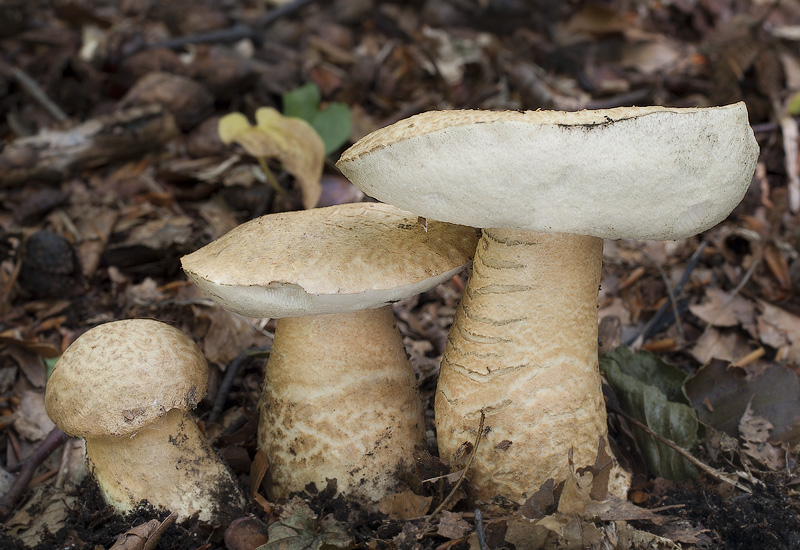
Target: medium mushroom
126	387
547	187
340	399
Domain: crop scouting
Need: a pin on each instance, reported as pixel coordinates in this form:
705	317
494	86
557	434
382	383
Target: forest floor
111	169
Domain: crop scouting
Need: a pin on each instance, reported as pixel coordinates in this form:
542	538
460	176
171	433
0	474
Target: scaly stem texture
523	347
340	402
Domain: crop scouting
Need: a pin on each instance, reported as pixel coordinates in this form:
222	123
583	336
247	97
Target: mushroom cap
120	376
629	172
337	259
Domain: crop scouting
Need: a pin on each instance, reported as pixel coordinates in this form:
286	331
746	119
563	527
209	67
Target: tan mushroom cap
629	172
120	376
337	259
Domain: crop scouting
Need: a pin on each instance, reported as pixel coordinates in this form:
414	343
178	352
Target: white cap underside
328	260
647	172
288	300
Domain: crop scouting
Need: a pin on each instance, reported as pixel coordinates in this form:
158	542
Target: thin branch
690	265
463	473
670	291
479	529
34	90
231	34
53	441
713	472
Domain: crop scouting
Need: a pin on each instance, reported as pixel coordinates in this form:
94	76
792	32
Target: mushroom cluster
340	400
126	387
546	187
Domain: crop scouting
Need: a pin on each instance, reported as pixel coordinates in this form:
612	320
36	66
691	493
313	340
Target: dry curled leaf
144	536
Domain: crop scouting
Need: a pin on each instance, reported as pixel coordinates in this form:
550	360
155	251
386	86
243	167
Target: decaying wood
53	155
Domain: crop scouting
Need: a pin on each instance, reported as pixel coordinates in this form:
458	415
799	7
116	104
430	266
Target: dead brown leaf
720	309
452	525
94	226
721	394
226	333
614	509
715	344
405	505
754	431
45	511
779	329
777	264
538	504
32	421
30	364
144	536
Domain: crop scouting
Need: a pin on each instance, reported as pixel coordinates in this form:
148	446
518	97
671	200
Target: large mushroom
126	387
340	399
547	187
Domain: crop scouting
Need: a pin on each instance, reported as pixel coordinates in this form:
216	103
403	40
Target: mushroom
547	187
340	399
126	387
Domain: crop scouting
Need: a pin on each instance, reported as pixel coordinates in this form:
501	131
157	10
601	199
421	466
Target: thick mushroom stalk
126	387
523	348
307	427
548	185
340	399
170	464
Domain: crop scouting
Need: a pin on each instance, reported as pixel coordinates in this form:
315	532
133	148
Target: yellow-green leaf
291	141
231	126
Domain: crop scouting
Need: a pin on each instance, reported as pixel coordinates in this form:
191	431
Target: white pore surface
290	300
646	173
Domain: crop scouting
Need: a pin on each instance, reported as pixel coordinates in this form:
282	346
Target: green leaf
302	102
650	390
333	126
302	531
652	370
50	364
793	107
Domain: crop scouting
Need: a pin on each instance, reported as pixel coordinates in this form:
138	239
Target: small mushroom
126	387
340	399
547	187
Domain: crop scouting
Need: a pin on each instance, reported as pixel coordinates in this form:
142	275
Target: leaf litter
130	201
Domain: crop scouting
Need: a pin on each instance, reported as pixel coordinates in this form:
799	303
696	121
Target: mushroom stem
523	348
168	462
339	402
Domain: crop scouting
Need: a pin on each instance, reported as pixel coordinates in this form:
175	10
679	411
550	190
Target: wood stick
53	441
54	155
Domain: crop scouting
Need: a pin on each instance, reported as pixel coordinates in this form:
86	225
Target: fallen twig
713	472
53	441
464	472
479	529
33	89
53	155
690	265
231	34
228	379
670	291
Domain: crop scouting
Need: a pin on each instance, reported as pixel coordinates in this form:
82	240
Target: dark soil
93	523
766	519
